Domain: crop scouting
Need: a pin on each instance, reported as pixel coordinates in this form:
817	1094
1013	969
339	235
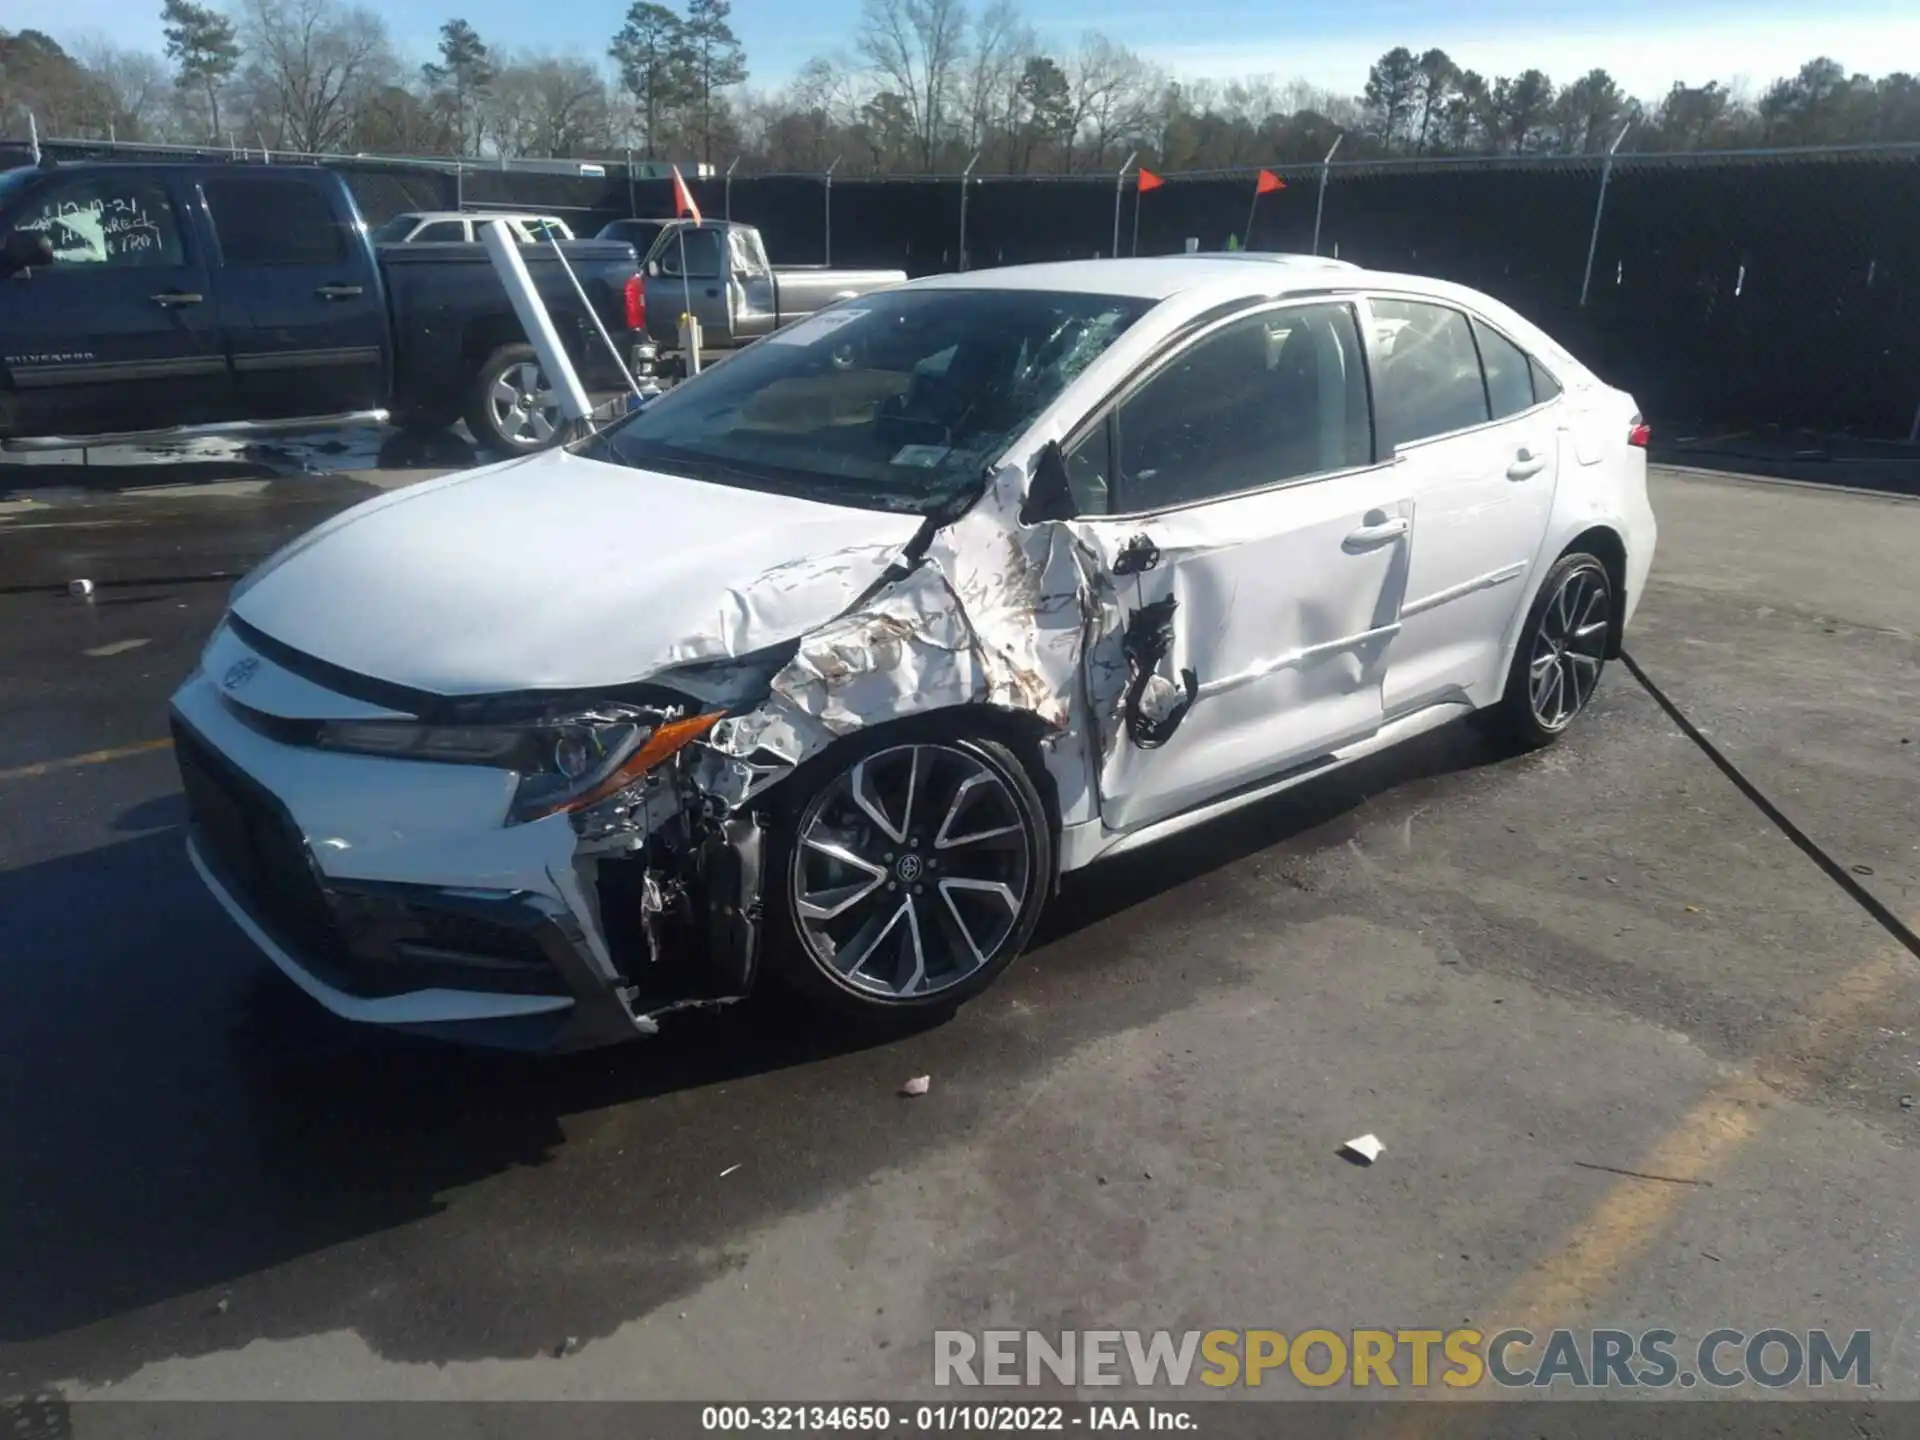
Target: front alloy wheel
916	873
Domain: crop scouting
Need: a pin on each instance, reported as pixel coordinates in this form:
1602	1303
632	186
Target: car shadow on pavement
183	1125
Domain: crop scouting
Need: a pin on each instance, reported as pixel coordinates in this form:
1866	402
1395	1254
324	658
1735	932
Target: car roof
479	215
1203	281
1154	278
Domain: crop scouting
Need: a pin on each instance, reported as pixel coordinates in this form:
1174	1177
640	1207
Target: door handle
172	299
712	293
1525	466
1368	536
340	292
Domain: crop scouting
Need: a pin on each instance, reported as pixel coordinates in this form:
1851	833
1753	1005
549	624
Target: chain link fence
1758	287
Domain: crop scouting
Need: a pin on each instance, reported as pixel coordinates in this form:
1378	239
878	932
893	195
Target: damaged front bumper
394	894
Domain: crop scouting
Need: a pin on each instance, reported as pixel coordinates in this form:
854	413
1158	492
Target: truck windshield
898	401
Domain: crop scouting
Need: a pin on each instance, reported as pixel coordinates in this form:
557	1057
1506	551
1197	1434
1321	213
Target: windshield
395	230
898	401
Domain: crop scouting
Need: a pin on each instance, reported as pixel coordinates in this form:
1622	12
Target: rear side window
274	222
1429	381
1509	377
442	232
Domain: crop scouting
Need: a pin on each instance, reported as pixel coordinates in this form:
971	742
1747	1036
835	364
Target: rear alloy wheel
914	874
1562	650
512	406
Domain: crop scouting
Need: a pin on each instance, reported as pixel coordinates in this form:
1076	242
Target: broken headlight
563	764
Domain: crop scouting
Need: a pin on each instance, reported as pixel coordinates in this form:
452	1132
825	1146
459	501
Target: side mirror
1049	493
24	249
653	269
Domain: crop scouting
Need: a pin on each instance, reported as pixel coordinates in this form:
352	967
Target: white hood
558	572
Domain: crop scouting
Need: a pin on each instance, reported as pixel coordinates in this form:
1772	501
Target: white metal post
966	178
1600	205
619	360
33	137
1119	194
504	251
1320	201
729	199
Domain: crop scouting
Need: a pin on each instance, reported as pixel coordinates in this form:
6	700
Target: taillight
1639	433
636	302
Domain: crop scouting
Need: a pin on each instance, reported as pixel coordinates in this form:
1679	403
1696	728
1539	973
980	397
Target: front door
1257	558
120	332
303	306
1455	398
694	271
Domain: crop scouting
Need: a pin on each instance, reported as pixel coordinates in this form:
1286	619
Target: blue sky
1645	43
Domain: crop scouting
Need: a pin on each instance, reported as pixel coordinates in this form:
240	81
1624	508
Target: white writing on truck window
90	225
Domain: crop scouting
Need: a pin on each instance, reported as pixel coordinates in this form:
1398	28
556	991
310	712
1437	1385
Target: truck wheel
511	406
425	422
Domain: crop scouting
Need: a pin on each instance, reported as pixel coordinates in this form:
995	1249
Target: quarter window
1429	381
1269	398
1545	387
116	222
1509	381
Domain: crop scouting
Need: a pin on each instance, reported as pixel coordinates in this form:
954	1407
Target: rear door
1257	554
301	300
121	331
1482	458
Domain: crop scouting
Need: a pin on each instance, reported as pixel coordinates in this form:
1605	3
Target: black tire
1571	649
962	904
427	421
507	365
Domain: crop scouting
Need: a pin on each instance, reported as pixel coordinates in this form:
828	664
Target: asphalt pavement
1635	1018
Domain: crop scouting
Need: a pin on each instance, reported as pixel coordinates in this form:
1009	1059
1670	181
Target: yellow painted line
1633	1214
1630	1216
92	757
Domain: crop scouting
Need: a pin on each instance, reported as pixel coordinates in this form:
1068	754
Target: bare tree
1113	95
1002	43
310	66
916	48
130	94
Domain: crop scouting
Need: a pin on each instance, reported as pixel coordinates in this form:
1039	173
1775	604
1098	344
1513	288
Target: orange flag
1268	183
1149	181
683	198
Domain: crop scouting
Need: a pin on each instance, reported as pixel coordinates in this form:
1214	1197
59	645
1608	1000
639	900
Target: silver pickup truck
717	270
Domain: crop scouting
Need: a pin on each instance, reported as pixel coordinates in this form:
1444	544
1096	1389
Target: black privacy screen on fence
1743	289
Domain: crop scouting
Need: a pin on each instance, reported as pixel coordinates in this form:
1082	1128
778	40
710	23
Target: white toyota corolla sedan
826	665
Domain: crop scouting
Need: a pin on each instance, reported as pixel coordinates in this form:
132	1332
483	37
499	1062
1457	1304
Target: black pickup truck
139	299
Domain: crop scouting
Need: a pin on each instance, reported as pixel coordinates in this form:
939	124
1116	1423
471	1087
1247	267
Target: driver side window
106	222
1274	397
